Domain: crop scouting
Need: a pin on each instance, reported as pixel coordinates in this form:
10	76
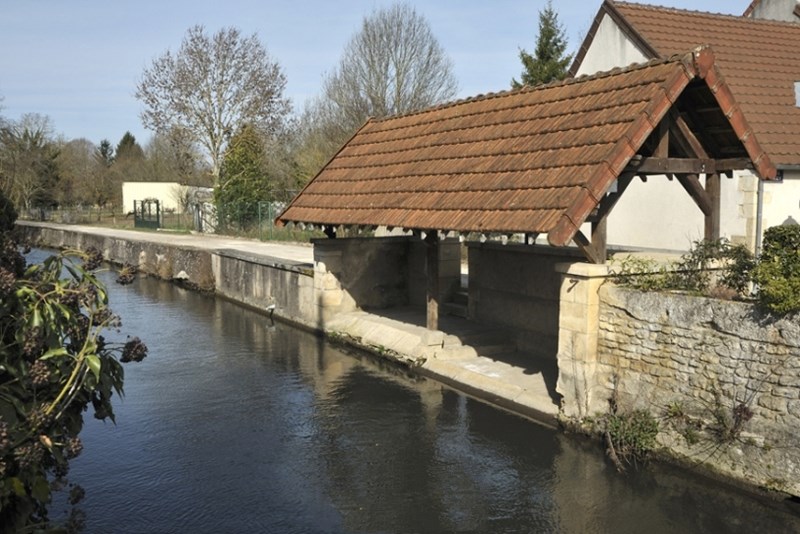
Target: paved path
296	252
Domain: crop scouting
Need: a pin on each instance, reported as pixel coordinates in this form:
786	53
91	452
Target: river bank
305	287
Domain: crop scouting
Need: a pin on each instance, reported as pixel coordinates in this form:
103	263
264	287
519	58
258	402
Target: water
232	424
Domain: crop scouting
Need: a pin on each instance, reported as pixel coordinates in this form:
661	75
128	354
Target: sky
78	61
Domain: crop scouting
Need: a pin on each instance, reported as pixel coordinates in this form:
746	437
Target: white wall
168	193
782	200
610	48
775	10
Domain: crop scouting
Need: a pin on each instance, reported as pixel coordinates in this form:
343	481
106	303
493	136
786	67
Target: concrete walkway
468	356
294	252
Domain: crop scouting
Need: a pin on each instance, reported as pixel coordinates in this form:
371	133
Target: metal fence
254	220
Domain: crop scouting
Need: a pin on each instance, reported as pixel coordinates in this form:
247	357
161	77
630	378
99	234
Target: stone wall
518	286
277	287
378	273
158	259
701	365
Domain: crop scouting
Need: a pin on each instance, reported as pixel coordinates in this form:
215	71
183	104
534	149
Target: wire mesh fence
255	220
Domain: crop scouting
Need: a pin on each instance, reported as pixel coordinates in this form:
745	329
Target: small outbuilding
550	160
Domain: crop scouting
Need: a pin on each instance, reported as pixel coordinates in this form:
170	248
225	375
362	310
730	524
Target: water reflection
233	425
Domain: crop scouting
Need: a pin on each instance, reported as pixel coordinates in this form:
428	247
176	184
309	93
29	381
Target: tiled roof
759	58
535	160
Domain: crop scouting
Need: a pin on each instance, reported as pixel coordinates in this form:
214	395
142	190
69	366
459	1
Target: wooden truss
675	152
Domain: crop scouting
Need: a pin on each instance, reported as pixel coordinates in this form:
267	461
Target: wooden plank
432	271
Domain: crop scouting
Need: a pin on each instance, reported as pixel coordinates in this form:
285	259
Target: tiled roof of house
759	58
535	160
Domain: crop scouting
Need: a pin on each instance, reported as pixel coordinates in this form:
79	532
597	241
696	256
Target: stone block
578	317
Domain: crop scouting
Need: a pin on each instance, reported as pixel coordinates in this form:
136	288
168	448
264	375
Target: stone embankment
723	378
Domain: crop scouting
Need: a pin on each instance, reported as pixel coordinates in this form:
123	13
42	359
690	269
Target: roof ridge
616	71
731	16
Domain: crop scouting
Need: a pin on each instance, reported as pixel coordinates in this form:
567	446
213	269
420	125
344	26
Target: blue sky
78	61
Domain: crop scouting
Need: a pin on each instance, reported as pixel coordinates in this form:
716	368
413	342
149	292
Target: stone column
331	297
578	327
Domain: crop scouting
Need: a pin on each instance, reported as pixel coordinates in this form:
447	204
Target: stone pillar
578	327
330	295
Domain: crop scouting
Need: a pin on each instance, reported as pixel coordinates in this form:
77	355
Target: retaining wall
274	286
158	259
700	365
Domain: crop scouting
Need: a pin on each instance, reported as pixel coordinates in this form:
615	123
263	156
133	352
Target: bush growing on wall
694	272
778	270
776	273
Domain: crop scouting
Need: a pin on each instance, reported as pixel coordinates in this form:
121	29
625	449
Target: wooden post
432	269
712	231
600	239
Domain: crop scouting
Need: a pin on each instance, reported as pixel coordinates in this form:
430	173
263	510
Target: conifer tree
548	63
244	178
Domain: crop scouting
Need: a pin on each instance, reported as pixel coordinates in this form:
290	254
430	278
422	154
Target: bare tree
393	65
28	170
172	157
77	169
211	87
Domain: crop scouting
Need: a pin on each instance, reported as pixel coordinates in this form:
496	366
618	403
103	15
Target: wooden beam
691	182
589	250
656	165
734	164
686	140
600	240
662	149
432	271
611	199
712	222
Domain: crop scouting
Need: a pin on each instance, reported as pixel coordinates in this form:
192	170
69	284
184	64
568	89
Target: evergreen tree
244	179
128	148
548	63
105	153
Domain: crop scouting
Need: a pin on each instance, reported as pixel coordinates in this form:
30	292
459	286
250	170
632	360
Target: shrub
630	437
778	270
54	363
695	272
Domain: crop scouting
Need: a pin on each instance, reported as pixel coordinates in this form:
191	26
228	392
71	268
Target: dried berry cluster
133	351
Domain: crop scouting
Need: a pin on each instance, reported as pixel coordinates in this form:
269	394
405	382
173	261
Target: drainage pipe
759	215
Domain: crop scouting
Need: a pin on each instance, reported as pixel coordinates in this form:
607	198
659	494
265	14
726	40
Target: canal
236	424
